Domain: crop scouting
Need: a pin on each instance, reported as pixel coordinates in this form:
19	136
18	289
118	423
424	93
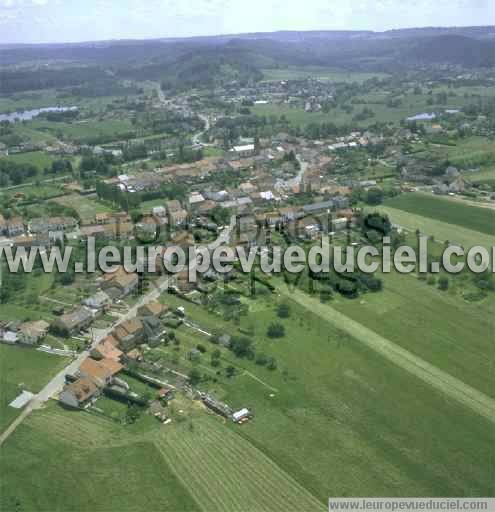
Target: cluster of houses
25	333
109	356
37	231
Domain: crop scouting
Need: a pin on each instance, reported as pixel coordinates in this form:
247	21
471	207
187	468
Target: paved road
438	379
57	383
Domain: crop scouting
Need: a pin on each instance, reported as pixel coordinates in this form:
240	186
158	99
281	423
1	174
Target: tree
242	346
194	377
229	371
443	283
132	414
431	280
283	310
272	363
261	360
275	330
374	196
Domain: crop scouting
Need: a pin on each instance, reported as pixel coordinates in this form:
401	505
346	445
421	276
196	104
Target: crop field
26	368
225	472
445	210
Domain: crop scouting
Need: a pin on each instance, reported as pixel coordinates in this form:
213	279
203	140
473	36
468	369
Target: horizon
240	34
30	21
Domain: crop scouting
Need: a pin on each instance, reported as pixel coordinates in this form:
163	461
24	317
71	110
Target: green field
86	207
441	328
451	212
80	131
78	462
49	98
23	368
468	153
187	466
485	175
376	101
337	402
336	418
442	231
38	158
294	73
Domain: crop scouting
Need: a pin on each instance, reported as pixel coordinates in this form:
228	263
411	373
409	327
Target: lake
27	115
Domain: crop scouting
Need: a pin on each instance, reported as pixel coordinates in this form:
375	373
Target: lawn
26	367
445	210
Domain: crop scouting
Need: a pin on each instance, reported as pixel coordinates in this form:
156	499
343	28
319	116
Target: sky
46	21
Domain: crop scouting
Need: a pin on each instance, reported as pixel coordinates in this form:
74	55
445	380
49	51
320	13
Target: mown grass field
23	368
445	210
339	403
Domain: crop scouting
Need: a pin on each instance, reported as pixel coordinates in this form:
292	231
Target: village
139	387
